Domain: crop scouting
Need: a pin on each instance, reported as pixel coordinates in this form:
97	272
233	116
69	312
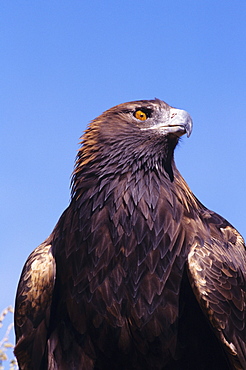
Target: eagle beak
179	122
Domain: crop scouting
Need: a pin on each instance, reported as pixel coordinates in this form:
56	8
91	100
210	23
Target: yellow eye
139	114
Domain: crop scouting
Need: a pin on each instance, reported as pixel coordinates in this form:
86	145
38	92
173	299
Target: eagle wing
33	305
217	272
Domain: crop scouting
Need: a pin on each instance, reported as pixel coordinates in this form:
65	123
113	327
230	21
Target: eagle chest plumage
126	259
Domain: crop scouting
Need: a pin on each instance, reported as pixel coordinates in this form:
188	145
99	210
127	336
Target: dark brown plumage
137	273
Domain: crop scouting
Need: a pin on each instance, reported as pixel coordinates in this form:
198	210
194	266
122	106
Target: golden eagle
137	273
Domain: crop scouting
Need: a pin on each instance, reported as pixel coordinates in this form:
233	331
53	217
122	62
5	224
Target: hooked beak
179	122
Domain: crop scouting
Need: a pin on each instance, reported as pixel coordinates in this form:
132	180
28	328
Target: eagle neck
126	162
115	159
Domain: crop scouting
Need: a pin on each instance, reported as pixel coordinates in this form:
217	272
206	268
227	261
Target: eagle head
139	134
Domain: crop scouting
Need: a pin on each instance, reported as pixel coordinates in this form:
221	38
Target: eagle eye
142	115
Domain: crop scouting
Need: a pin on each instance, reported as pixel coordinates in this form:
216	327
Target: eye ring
139	114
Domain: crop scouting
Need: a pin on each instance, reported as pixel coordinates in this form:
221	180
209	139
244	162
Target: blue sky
64	62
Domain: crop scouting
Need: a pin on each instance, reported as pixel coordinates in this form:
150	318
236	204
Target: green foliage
5	344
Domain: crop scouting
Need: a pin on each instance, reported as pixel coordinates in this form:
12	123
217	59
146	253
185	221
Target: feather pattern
137	273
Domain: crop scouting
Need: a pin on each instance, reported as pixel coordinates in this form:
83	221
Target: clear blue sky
64	62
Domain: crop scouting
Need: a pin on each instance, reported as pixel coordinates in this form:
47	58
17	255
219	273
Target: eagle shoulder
217	274
33	305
